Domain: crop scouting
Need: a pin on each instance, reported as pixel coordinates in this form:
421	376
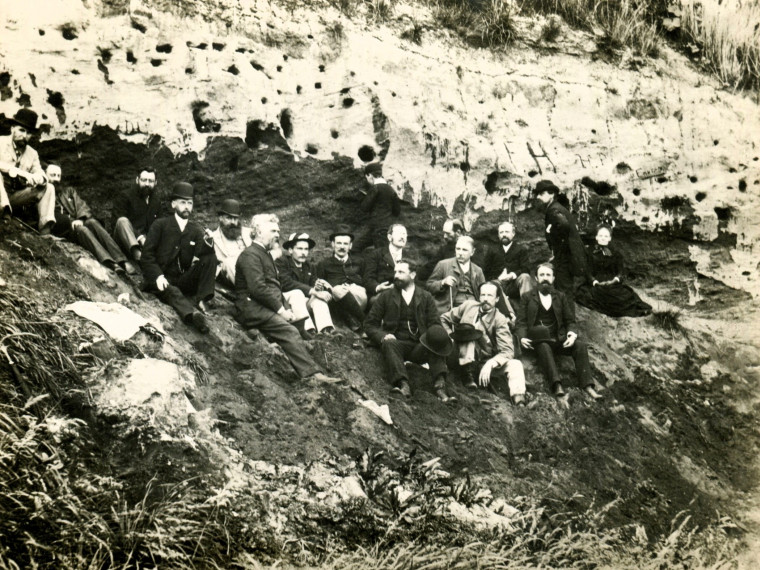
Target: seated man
230	239
135	210
342	273
298	278
260	302
23	181
546	324
178	260
452	231
74	220
458	279
380	263
509	263
404	323
485	342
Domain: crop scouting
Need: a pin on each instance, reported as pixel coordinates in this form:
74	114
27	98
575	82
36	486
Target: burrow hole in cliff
318	85
601	188
233	70
532	173
299	89
367	153
286	123
312	149
203	124
674	202
742	185
701	196
217	46
105	54
164	48
334	133
723	214
321	68
257	66
42	32
69	32
693	179
264	100
622	168
131	57
348	102
637	191
156	62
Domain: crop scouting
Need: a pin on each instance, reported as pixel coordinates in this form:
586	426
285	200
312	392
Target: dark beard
506	241
544	287
399	284
231	232
184	215
144	192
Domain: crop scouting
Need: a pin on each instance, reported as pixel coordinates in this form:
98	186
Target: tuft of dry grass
668	320
728	34
626	24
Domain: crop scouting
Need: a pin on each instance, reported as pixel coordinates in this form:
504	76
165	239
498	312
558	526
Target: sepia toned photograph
379	284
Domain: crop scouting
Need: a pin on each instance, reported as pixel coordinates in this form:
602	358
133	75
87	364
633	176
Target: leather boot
470	376
352	312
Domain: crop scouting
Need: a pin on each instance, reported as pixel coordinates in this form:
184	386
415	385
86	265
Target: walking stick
451	297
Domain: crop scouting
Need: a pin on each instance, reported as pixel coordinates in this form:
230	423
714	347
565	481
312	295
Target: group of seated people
460	315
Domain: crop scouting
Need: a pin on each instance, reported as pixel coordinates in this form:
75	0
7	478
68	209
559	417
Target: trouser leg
420	355
174	297
46	206
394	353
199	281
515	377
87	240
124	234
62	225
297	303
546	362
349	306
525	284
105	239
5	203
226	271
579	352
289	339
321	312
360	294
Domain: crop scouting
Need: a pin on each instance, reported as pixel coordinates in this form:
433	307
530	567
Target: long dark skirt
616	300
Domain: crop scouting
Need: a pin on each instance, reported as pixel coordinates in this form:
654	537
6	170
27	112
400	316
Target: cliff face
648	142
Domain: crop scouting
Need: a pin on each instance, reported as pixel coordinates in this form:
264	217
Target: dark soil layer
631	447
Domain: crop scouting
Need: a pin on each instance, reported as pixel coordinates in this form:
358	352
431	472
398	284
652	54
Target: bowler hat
545	186
342	231
541	333
437	340
230	207
466	332
182	191
25	118
296	237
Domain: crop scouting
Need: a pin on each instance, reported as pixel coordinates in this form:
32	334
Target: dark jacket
292	277
563	238
527	312
258	291
132	206
382	204
446	268
169	252
604	264
384	314
516	260
337	273
69	203
378	268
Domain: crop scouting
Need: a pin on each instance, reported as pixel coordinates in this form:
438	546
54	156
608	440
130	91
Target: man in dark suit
178	260
298	279
546	324
259	299
509	263
452	230
346	285
380	263
382	205
563	239
135	211
404	323
458	279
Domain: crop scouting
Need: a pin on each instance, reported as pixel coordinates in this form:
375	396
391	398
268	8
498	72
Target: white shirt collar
546	300
407	294
465	266
506	247
341	260
181	222
396	252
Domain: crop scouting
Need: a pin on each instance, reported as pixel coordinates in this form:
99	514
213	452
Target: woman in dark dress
605	291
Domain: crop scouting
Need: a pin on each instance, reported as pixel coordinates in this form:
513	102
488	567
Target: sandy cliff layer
665	147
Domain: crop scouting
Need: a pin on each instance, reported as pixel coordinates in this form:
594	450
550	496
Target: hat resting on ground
342	231
230	207
25	118
466	332
437	340
182	191
296	237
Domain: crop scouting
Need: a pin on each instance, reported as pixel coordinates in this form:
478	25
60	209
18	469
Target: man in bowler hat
404	323
485	342
23	181
178	260
230	239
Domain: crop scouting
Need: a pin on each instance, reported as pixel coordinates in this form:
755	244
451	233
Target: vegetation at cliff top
722	36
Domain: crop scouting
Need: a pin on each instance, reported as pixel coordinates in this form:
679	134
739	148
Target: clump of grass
413	33
497	22
668	320
551	29
626	24
728	33
379	10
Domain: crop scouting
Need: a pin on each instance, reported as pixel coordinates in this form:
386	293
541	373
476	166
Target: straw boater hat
296	237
